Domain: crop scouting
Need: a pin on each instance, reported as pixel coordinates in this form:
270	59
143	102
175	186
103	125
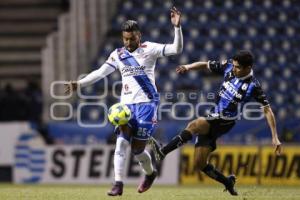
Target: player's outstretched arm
177	46
91	78
272	124
193	66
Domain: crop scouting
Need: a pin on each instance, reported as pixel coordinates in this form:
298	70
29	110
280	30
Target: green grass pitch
88	192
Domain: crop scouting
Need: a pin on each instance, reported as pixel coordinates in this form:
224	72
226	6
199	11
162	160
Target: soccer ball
119	114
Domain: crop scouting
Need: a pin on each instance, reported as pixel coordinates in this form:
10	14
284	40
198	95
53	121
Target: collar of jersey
247	76
133	51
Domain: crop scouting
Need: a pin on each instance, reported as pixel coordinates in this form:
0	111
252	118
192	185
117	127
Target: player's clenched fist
71	86
182	69
175	17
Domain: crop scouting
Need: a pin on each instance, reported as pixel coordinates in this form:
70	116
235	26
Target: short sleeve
156	48
259	95
218	67
111	60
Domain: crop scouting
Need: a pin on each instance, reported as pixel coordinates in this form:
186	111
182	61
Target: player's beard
132	48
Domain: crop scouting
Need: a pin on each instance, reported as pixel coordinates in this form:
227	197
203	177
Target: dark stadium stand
215	30
24	25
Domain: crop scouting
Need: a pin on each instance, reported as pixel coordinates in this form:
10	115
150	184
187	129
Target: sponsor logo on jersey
126	87
122	53
127	91
224	95
132	71
231	89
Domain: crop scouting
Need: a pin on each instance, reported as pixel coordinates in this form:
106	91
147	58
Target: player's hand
278	149
70	87
175	17
277	144
182	69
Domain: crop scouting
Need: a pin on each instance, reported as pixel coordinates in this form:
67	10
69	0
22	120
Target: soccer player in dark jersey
239	86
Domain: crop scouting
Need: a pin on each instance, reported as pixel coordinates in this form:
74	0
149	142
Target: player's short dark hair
244	58
130	26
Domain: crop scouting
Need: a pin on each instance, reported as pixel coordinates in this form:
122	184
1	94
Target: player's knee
192	127
198	126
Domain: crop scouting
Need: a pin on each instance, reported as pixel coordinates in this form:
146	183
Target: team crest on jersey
245	86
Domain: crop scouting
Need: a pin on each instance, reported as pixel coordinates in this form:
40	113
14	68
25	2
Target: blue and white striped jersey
137	71
234	91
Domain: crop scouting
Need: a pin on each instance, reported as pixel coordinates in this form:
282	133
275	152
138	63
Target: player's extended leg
144	158
201	163
143	124
197	126
119	160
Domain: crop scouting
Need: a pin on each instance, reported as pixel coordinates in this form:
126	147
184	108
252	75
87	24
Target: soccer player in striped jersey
238	87
136	62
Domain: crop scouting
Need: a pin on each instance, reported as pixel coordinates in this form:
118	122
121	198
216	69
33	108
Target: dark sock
119	183
213	173
177	141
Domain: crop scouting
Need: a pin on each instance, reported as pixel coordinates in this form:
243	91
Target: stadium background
51	41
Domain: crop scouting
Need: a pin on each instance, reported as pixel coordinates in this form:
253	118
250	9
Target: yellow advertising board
251	164
283	169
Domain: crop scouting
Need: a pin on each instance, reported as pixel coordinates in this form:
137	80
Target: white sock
145	162
120	158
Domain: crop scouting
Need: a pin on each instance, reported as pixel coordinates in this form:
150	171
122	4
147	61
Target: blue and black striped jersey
234	91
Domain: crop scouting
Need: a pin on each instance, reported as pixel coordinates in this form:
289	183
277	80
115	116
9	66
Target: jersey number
142	132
